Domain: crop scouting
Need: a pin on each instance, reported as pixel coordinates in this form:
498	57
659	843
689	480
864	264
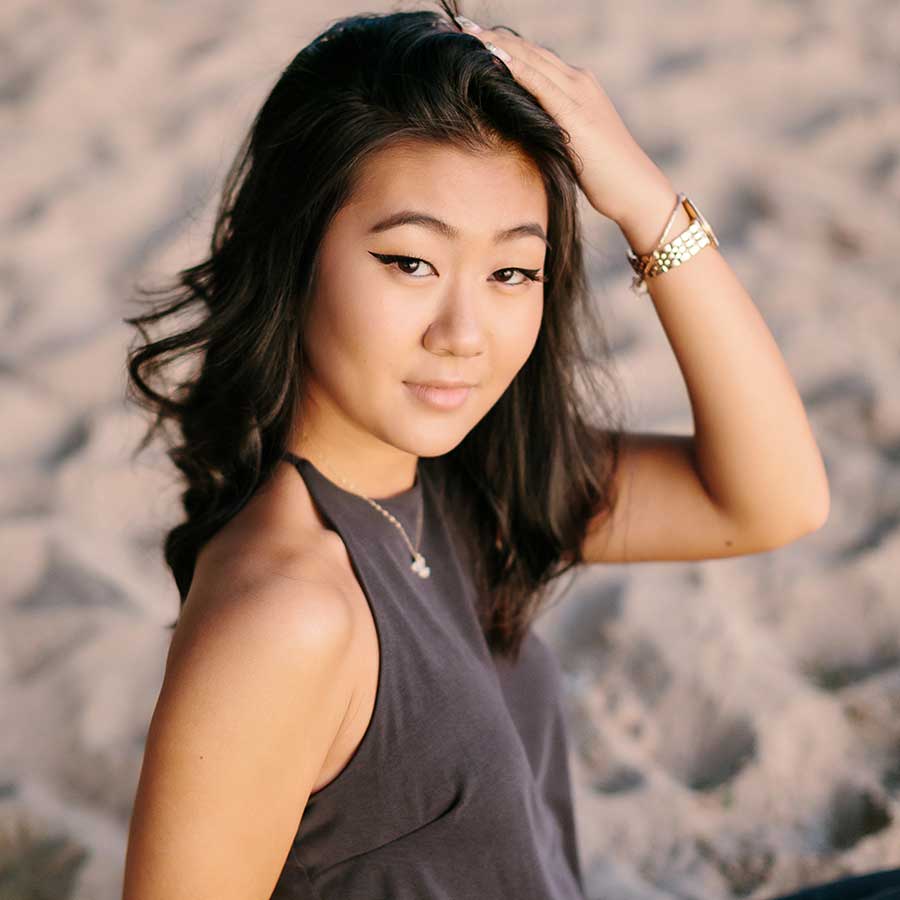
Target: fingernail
468	24
500	52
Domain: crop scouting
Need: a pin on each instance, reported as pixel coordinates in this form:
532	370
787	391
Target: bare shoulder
270	606
257	686
274	568
276	598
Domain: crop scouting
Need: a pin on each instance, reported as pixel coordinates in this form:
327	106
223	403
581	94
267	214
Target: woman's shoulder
275	557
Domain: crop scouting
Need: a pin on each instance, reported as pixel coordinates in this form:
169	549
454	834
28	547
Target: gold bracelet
642	263
668	255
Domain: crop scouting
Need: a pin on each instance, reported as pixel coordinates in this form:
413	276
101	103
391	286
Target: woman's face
459	310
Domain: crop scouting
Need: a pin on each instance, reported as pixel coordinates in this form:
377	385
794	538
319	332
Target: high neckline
405	501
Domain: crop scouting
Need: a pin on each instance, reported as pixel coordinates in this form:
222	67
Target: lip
443	383
441	394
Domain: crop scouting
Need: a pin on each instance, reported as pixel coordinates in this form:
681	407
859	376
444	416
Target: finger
547	54
548	85
534	54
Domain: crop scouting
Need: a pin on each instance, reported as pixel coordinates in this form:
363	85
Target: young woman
395	439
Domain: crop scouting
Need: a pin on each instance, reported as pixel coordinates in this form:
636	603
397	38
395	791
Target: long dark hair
525	481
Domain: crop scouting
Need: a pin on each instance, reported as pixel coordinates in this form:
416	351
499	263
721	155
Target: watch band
677	251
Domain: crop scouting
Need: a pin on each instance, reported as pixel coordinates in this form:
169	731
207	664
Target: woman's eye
527	275
400	262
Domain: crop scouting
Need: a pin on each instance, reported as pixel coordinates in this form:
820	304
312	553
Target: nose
457	330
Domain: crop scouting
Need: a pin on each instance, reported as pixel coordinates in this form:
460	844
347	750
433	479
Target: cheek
358	337
519	334
513	336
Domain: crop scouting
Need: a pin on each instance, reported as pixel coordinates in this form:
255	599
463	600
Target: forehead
477	193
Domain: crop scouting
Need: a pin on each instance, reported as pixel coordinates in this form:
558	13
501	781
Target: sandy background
736	723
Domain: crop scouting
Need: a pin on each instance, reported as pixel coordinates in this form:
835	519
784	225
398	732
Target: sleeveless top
460	787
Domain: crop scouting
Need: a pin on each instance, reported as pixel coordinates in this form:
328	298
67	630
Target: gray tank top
460	788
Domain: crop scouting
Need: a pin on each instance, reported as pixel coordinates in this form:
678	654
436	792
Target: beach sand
735	723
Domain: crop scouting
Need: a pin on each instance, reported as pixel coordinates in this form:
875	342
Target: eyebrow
413	217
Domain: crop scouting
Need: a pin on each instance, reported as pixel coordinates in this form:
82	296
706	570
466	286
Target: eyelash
390	258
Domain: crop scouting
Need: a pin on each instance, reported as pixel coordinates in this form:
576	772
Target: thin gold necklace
418	564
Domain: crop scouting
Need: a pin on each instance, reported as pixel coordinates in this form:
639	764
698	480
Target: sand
735	723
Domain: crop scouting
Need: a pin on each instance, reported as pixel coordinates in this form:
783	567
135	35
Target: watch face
703	223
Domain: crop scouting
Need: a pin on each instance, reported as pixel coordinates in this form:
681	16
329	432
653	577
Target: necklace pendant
418	566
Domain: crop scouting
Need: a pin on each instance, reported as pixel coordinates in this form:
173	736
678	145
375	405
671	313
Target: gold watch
680	249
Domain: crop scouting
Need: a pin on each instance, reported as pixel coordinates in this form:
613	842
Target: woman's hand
618	178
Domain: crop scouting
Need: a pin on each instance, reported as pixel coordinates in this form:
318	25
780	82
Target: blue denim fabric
882	885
